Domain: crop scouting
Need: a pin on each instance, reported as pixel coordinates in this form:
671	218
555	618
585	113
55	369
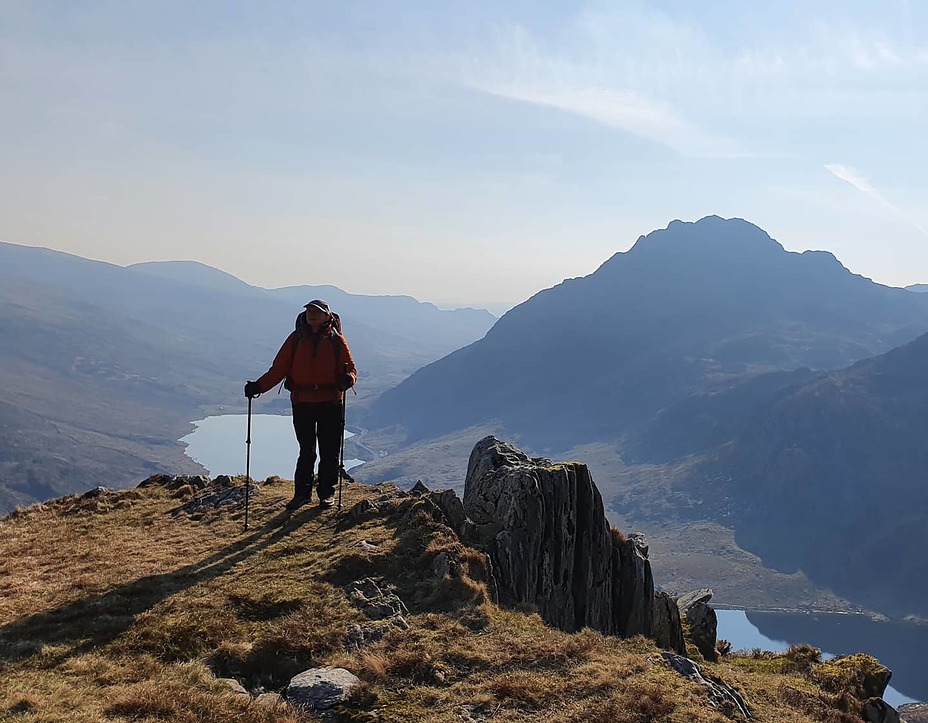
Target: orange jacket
314	370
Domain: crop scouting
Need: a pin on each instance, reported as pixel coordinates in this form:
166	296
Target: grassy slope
111	609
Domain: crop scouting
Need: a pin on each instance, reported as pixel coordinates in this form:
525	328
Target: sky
465	153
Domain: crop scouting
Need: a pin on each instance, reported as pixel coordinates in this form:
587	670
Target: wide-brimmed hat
319	304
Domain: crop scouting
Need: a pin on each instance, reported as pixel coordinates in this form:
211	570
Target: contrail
857	180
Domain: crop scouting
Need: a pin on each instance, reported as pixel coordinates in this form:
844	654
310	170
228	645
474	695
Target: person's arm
348	366
281	366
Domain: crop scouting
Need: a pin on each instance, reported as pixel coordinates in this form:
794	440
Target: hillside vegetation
117	606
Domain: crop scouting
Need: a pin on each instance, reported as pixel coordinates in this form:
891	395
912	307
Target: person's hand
252	389
345	383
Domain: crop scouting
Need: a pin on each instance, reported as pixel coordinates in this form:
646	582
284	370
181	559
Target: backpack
299	326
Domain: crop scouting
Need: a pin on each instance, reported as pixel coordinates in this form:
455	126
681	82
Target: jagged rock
420	488
321	688
703	595
703	622
375	603
441	566
359	636
155	479
877	710
551	544
95	492
667	630
721	694
214	499
453	509
361	510
233	685
635	583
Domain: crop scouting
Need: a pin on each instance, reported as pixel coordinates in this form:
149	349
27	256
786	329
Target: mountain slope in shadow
823	472
688	308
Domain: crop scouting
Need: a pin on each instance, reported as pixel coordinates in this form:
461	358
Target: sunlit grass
113	609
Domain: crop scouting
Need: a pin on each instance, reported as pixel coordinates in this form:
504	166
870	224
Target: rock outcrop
702	621
551	545
667	629
721	695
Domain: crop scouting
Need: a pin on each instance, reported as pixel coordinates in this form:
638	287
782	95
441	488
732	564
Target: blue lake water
899	646
218	443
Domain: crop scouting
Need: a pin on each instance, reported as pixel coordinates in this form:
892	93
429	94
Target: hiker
316	362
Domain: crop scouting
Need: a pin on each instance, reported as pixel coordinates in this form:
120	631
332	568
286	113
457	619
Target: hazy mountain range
102	367
771	392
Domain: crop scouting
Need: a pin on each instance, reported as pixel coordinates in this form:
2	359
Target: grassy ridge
113	609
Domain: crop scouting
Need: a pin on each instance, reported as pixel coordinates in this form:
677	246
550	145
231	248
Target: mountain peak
707	235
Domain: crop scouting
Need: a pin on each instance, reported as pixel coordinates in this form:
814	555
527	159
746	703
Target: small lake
899	646
218	443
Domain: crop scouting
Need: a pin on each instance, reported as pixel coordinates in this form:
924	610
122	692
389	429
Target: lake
218	443
899	646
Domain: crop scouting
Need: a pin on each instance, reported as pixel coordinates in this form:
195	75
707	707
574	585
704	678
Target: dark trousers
322	422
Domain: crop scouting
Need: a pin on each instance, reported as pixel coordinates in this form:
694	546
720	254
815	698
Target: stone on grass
321	688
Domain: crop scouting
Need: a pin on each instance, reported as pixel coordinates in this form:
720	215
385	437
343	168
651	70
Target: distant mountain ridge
690	307
103	367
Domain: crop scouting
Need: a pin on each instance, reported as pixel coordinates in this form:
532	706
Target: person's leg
304	424
330	438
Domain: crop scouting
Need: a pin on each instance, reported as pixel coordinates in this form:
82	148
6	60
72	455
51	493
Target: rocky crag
545	529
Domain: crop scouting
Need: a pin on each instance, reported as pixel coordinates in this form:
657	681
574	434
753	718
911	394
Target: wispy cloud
583	77
861	183
670	80
621	109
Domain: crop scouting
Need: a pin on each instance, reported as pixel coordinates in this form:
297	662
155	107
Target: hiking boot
297	502
326	502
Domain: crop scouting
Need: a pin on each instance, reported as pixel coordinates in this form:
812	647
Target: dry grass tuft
802	658
820	707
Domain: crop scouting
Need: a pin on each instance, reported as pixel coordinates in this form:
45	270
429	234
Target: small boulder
233	685
321	688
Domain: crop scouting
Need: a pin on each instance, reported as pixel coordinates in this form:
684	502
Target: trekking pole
247	464
341	459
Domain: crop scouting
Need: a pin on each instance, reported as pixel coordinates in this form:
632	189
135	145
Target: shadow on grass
97	620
